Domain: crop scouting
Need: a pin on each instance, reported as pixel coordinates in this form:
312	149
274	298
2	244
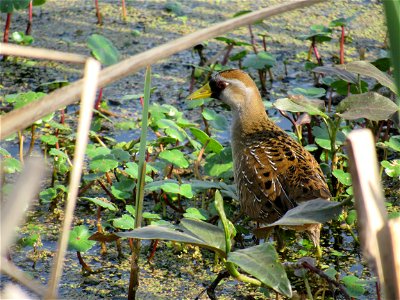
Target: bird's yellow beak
203	92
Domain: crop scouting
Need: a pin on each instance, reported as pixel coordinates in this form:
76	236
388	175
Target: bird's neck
251	119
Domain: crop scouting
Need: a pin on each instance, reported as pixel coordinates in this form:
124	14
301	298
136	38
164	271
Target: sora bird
272	171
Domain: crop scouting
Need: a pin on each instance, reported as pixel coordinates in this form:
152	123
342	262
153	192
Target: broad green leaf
342	74
219	165
212	235
369	105
262	262
11	165
121	155
8	6
123	189
103	163
151	216
124	222
129	208
79	239
102	202
212	144
196	213
392	168
309	92
133	171
171	186
93	151
394	143
175	233
301	104
49	139
343	177
367	69
342	87
103	50
175	157
310	212
318	32
260	61
47	195
354	285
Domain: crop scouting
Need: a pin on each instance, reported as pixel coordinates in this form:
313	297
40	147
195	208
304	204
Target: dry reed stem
21	118
90	84
376	239
40	53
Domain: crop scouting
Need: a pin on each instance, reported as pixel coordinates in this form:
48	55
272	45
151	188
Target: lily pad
79	239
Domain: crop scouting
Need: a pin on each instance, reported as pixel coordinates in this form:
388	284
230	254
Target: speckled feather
273	172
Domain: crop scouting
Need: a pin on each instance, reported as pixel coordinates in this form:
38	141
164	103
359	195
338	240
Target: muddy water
65	26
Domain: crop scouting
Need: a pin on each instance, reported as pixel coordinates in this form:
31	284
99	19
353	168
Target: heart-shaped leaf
263	263
79	239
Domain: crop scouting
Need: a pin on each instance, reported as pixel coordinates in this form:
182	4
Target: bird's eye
221	85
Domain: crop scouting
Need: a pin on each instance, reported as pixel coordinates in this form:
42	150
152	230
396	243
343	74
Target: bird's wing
280	173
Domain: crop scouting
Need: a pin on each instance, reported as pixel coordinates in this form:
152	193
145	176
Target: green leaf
123	189
343	177
102	202
309	92
38	2
47	195
93	151
369	105
103	50
392	168
212	144
7	6
394	143
103	163
260	61
196	213
11	165
132	169
342	74
175	157
263	263
79	239
318	32
183	234
121	155
129	208
49	139
310	212
367	69
219	165
301	104
151	216
171	186
124	222
354	286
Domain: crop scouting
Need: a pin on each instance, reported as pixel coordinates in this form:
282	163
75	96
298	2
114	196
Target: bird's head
233	87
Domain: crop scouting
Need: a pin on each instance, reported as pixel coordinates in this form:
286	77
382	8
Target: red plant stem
83	264
98	14
226	56
105	189
264	43
108	178
317	56
98	100
141	101
29	26
342	47
7	28
171	205
123	10
154	245
252	39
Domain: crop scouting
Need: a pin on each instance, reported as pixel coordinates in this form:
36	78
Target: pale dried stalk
26	115
40	53
14	272
90	83
14	207
375	237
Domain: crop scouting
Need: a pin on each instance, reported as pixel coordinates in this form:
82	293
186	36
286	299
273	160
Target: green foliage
21	39
8	6
79	239
103	49
260	61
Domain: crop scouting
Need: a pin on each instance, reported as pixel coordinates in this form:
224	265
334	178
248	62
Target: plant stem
134	275
98	14
29	26
342	47
123	10
316	53
306	283
21	146
32	143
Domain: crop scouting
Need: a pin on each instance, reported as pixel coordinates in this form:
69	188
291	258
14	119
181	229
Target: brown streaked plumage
273	172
